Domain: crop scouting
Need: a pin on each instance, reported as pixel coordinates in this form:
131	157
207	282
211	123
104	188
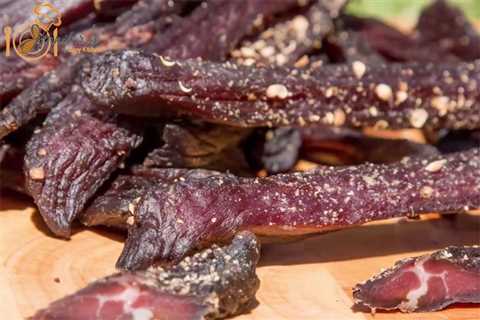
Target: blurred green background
406	9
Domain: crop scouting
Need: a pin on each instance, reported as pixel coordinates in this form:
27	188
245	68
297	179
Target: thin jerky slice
204	207
347	146
426	283
275	150
395	96
287	41
213	284
446	26
71	156
224	21
114	207
17	74
18	13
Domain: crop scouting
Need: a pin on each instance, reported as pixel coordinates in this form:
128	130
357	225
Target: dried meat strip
71	157
393	96
288	41
216	283
447	28
224	21
427	283
204	206
17	13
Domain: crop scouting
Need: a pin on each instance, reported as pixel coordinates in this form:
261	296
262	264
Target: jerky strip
71	156
426	283
213	284
205	206
224	21
396	96
446	26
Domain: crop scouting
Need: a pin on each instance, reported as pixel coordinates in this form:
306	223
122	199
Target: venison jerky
71	156
204	206
385	96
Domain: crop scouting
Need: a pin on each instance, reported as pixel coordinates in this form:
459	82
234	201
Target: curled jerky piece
71	156
446	27
213	284
426	283
224	21
347	146
205	206
396	96
18	13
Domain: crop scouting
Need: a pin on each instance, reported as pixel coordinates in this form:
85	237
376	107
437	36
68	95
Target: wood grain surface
308	279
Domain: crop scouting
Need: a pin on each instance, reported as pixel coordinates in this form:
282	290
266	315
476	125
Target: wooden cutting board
309	279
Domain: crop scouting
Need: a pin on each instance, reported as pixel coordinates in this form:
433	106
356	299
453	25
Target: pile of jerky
187	125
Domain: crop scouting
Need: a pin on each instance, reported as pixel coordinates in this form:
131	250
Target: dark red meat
216	283
71	157
426	283
395	96
204	206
